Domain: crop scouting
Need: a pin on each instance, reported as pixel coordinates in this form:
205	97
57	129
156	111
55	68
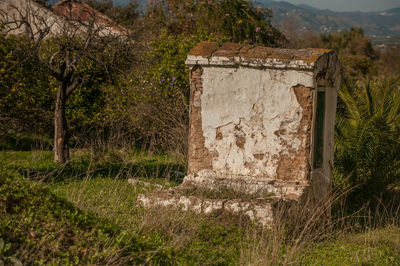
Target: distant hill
307	18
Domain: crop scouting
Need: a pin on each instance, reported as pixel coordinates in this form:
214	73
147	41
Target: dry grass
293	235
299	235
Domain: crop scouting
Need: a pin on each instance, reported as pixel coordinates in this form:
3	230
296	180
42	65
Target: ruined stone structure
261	124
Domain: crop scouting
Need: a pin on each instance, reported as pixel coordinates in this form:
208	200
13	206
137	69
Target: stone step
248	185
258	209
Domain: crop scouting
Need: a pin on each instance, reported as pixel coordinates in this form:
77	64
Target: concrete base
259	209
259	187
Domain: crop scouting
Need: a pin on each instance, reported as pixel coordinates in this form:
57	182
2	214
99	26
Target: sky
350	5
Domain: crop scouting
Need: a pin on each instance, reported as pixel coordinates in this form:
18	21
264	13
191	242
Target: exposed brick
199	156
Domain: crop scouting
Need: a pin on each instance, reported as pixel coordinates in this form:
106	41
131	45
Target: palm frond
367	147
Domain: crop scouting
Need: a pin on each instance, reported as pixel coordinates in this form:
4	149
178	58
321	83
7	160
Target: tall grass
295	231
298	235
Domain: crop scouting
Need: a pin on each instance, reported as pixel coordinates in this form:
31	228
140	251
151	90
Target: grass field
86	212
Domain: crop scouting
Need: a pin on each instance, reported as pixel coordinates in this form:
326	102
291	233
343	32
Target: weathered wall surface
255	122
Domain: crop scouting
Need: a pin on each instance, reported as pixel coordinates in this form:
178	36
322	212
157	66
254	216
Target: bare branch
76	83
51	61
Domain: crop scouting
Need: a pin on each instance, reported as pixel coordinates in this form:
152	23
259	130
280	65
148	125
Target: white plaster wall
252	104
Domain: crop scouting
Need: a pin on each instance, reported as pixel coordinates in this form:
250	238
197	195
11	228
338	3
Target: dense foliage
149	107
238	20
26	94
157	95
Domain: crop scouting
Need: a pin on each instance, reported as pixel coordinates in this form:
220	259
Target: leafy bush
28	92
355	52
152	103
354	49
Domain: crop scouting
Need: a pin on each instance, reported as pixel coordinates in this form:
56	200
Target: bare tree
75	49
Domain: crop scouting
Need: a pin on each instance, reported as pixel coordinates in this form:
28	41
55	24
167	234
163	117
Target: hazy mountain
304	17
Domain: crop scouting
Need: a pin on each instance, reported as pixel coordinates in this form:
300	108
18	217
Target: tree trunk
61	150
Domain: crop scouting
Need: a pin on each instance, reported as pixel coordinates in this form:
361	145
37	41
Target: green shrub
153	103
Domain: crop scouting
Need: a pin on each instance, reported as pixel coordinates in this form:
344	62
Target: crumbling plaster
258	118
